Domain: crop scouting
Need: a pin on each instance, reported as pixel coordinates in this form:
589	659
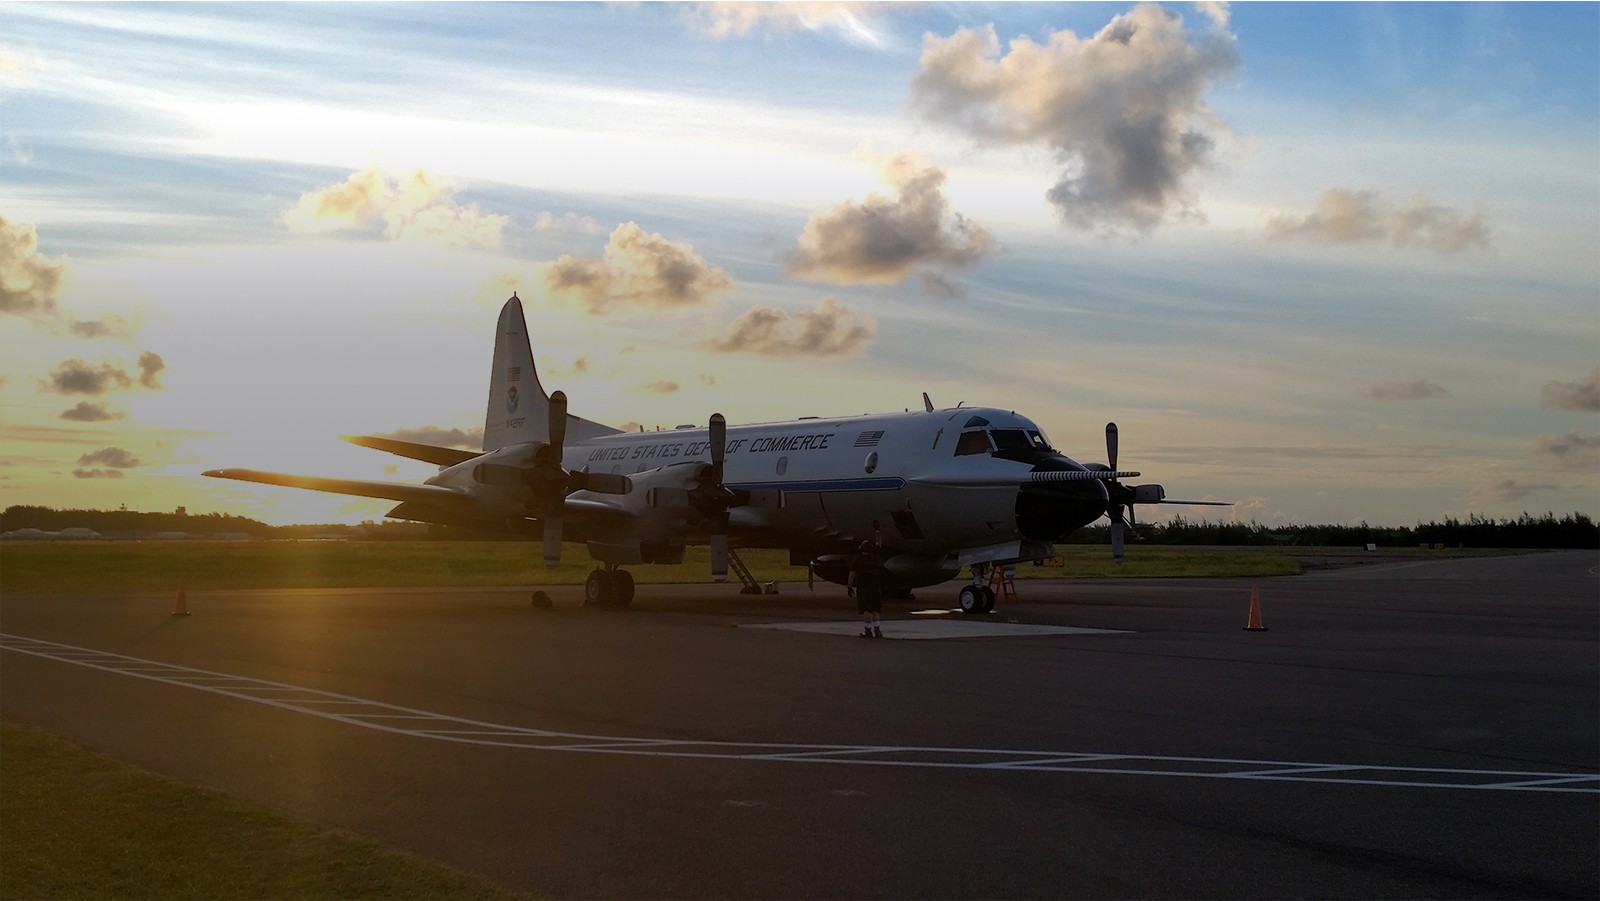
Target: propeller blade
1111	445
558	424
719	445
719	552
552	541
1116	541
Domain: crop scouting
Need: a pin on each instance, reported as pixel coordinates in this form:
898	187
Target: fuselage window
972	443
783	465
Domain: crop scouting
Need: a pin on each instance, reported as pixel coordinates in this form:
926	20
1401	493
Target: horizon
1332	262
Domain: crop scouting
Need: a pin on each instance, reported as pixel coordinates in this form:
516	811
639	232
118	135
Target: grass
81	825
77	566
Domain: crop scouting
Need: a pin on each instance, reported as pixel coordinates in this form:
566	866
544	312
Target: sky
1332	262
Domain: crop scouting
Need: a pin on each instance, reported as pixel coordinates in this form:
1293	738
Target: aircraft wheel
988	600
622	588
598	589
971	599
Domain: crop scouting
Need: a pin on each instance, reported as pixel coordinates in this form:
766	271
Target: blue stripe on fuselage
824	485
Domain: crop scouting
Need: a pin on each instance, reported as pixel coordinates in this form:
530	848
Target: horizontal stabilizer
427	453
395	491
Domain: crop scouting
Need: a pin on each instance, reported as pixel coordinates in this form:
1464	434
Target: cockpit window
973	443
1039	441
1011	440
976	422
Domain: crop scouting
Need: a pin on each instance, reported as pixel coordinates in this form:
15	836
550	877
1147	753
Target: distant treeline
1574	530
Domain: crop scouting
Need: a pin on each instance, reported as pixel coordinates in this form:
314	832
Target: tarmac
1415	729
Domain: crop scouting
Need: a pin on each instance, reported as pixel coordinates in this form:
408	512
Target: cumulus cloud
29	281
114	457
1580	396
880	240
636	269
88	412
76	376
150	367
1416	389
1569	451
1123	111
1366	217
420	206
660	386
830	330
471	439
851	21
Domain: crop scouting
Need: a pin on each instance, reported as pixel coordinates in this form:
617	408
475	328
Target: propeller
1122	497
551	482
1115	489
720	498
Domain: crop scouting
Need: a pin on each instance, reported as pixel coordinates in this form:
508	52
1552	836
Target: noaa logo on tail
511	399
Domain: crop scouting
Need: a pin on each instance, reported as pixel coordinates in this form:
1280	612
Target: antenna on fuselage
926	403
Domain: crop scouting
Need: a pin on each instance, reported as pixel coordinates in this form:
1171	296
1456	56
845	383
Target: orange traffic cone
182	609
1253	623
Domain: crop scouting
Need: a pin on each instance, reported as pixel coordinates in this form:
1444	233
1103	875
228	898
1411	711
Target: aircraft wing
1003	480
427	453
395	491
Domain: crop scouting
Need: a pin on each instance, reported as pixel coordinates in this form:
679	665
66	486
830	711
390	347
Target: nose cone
1051	512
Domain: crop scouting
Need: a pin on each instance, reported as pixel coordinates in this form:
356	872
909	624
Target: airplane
938	490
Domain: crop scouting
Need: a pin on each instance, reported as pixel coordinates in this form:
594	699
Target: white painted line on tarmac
441	727
934	629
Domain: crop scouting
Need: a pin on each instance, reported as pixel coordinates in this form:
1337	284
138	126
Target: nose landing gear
978	597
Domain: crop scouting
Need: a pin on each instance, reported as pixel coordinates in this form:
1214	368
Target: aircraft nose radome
1050	512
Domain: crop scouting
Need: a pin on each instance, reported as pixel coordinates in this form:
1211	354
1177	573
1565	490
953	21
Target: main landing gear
609	587
977	597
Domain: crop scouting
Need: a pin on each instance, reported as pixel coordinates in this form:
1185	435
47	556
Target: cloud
1569	451
29	281
661	386
880	240
1363	217
419	207
87	412
828	331
1416	389
566	224
75	376
150	367
1581	397
105	327
1498	492
851	21
637	269
1123	111
78	377
438	437
114	457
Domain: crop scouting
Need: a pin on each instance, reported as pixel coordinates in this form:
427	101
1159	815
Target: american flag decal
868	439
513	373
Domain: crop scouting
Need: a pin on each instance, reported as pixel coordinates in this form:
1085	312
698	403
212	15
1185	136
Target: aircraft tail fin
519	407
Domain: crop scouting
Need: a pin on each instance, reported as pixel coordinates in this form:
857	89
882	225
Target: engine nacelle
1148	494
